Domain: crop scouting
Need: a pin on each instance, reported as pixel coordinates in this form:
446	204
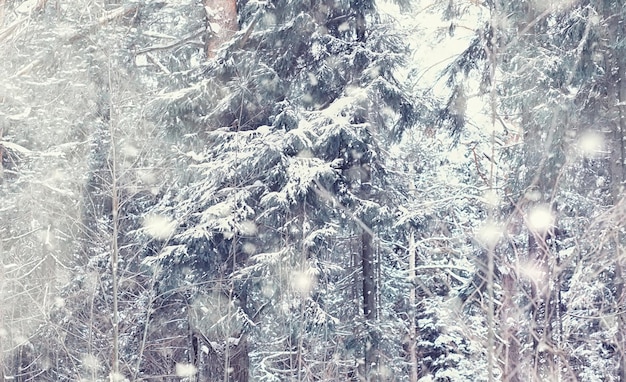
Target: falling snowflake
489	234
158	226
540	219
303	282
90	362
185	370
590	144
117	377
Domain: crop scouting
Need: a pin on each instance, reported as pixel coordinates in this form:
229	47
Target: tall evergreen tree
288	194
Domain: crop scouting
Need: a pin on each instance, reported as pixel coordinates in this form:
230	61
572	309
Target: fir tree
288	195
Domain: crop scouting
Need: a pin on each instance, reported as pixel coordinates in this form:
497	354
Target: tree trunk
2	302
370	271
616	104
114	254
240	361
369	302
617	186
1	150
615	67
221	23
412	346
511	351
620	336
360	7
2	6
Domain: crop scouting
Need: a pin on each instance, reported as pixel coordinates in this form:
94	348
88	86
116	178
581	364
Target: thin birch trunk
115	366
412	306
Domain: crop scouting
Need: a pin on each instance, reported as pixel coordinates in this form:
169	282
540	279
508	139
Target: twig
175	44
102	21
21	236
6	32
27	68
158	63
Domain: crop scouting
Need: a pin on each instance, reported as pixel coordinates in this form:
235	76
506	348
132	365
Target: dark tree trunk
369	302
239	360
370	272
360	8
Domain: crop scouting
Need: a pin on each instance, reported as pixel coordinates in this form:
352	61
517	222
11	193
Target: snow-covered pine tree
284	215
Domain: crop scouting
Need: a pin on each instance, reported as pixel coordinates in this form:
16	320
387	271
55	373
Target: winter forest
312	190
